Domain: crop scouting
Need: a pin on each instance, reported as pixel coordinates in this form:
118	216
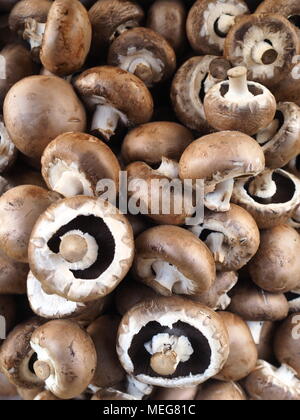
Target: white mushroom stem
169	168
219	199
263	185
171	280
225	22
286	374
214	242
264	53
256	329
73	248
267	134
68	185
238	86
34	32
105	120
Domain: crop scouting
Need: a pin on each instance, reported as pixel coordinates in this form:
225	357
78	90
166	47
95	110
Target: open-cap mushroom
270	197
232	237
8	151
268	383
220	391
266	44
209	22
172	260
13	275
144	53
172	342
218	159
239	105
276	266
39	108
65	357
75	163
81	248
263	336
116	96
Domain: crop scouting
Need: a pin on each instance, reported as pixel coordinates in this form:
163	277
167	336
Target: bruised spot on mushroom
198	362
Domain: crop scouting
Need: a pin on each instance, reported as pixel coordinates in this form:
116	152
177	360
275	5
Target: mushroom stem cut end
263	185
225	22
164	363
105	120
73	248
42	370
264	53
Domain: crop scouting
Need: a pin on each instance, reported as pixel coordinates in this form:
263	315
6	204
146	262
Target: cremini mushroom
116	96
76	163
89	241
8	151
288	89
13	275
239	105
39	108
172	342
220	391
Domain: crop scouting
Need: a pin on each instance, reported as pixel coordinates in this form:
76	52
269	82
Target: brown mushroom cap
290	9
220	391
242	349
12	275
26	9
172	260
74	163
288	89
67	37
39	108
69	354
174	394
30	394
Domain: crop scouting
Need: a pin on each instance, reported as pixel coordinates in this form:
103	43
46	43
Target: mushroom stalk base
106	119
219	200
34	32
263	185
214	242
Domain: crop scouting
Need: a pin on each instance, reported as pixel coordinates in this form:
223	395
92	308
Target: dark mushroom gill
284	194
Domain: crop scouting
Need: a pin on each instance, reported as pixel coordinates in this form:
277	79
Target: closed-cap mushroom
8	314
144	53
20	208
81	248
266	44
39	108
172	260
268	383
175	394
281	139
66	357
290	9
103	332
276	266
8	151
116	96
13	276
232	237
172	342
220	391
270	197
263	336
239	105
209	22
75	163
6	388
218	159
242	349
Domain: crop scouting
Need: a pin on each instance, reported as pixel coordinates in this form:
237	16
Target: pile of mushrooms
105	293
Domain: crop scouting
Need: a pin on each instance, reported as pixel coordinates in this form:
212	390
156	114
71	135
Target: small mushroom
39	108
276	266
13	276
172	260
239	105
218	159
66	358
175	394
76	163
209	22
81	248
172	342
8	151
264	43
232	237
144	53
263	336
8	316
220	391
116	96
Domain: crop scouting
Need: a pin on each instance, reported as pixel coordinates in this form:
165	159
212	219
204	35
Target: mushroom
276	266
76	163
268	383
175	394
39	108
218	159
8	151
20	208
232	237
66	357
281	139
263	336
239	105
271	197
81	248
46	396
168	18
220	391
30	394
172	342
116	96
13	276
288	89
137	388
144	53
266	44
7	390
8	316
111	394
209	22
242	349
172	260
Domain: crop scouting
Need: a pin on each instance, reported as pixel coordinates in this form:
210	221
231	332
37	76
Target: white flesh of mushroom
219	199
92	251
214	241
7	148
136	388
34	32
256	329
168	276
169	168
43	356
263	185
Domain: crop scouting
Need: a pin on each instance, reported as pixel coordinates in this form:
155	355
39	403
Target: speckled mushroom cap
232	237
290	9
20	208
13	275
250	35
68	354
28	9
267	383
209	22
165	319
172	260
39	108
8	151
220	391
75	164
108	248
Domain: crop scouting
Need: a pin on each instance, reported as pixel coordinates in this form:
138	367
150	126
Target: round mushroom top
81	248
290	9
28	9
164	330
221	156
